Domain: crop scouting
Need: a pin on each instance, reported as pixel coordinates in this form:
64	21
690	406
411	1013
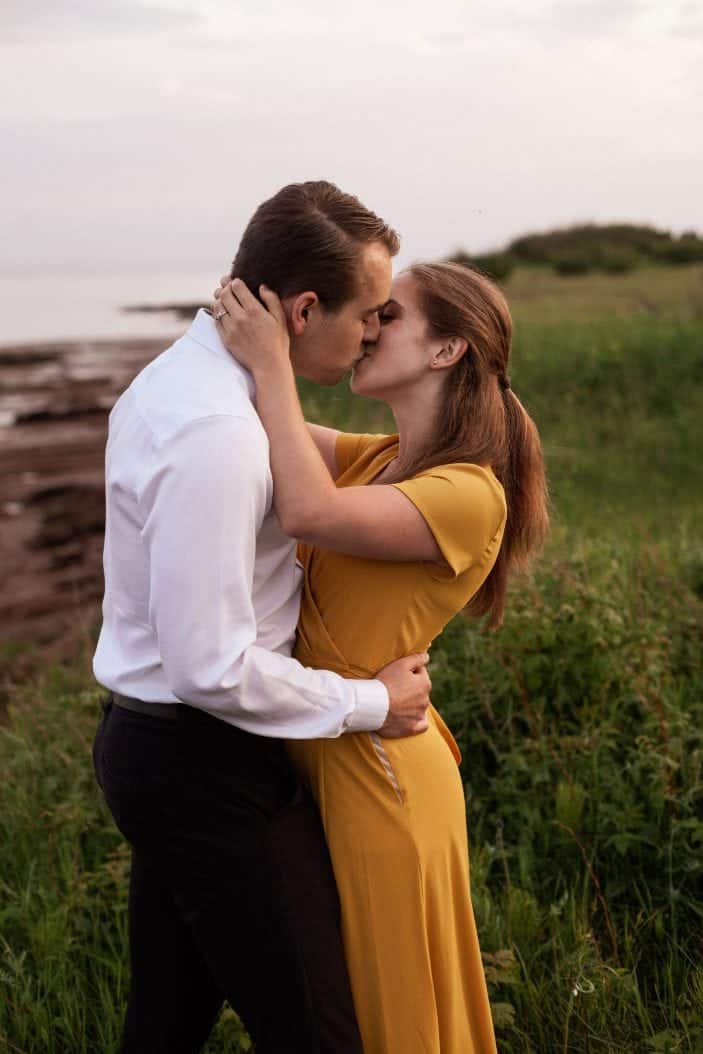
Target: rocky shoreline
54	402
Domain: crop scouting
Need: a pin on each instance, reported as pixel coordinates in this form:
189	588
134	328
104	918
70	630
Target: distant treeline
613	248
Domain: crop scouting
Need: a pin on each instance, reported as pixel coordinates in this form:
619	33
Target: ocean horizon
79	306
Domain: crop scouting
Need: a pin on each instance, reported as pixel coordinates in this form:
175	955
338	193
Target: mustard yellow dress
393	809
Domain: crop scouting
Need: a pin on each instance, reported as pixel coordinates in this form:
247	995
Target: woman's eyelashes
385	317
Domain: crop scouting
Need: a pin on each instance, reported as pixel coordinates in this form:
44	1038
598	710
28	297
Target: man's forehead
375	276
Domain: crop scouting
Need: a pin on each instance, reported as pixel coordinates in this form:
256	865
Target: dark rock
54	402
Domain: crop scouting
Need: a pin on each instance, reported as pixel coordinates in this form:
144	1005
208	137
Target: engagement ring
219	314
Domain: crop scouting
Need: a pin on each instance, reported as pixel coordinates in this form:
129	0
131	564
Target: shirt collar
204	332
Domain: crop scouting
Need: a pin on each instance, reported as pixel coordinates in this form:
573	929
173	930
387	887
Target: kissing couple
272	587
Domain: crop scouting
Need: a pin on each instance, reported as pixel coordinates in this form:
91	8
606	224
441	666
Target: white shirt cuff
371	708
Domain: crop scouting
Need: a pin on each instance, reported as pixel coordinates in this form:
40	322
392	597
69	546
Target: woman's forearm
303	487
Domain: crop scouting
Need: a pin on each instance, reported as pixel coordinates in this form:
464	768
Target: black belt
138	706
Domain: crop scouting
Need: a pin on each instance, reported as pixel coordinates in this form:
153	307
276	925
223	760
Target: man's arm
203	502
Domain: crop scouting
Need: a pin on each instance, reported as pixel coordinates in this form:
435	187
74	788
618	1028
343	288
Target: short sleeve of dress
350	446
464	507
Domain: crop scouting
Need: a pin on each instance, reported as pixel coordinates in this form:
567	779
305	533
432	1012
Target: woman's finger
273	303
229	301
244	295
224	281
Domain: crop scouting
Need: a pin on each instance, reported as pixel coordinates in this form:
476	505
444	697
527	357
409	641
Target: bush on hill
686	249
613	248
571	261
618	247
496	265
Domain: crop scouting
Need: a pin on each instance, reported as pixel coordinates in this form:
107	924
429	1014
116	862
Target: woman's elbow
295	522
302	517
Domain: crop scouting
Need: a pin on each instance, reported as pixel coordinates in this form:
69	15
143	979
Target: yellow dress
393	809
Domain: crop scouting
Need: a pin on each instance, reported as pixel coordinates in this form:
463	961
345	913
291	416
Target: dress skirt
395	819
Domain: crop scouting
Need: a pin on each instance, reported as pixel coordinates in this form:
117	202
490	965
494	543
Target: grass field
580	721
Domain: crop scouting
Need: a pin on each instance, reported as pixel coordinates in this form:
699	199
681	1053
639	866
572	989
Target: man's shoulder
187	383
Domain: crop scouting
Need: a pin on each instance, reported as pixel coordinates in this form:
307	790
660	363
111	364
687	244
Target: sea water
78	306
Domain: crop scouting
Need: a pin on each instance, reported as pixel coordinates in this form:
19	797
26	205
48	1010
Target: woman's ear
449	354
300	310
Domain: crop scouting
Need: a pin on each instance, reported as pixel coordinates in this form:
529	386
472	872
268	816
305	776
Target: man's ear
300	309
449	354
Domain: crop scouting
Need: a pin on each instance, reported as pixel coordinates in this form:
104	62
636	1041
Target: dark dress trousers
232	895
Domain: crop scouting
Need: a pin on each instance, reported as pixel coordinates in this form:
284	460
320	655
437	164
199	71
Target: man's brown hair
309	236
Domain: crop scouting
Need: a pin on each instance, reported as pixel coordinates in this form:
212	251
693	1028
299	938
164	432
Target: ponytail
524	482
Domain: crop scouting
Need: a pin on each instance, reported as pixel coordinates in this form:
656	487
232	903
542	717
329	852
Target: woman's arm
374	522
325	439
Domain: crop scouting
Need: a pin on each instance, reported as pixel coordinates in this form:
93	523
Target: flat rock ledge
54	404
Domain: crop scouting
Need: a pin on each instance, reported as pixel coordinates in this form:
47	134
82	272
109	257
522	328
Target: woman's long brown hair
483	422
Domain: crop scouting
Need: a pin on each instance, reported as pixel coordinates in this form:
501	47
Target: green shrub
568	262
63	880
497	265
613	248
614	259
581	728
684	250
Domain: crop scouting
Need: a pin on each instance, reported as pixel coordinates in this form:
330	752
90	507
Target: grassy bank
580	721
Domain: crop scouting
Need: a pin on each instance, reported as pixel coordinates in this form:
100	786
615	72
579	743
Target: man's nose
372	328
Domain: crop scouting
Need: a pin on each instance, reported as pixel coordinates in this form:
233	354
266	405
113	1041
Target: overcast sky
142	135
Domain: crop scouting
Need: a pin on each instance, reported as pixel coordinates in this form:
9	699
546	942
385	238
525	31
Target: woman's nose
372	328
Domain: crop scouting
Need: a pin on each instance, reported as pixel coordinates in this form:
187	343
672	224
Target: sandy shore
54	403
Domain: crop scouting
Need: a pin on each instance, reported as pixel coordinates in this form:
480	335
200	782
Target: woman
458	499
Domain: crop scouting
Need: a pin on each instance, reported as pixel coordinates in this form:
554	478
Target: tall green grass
580	722
63	879
581	725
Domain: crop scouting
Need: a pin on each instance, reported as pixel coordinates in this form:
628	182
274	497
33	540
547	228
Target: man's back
192	397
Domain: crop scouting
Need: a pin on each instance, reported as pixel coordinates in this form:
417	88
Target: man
231	894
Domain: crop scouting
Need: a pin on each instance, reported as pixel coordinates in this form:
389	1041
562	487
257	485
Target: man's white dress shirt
202	588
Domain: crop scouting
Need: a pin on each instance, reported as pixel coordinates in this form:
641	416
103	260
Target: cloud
150	134
593	17
45	21
689	23
563	20
441	42
511	23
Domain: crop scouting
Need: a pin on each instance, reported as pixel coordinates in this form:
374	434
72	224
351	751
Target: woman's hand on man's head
255	334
